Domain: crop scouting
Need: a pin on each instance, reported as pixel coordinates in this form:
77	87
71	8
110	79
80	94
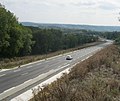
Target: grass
6	63
95	79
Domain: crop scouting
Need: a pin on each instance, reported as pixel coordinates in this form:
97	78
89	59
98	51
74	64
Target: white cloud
65	11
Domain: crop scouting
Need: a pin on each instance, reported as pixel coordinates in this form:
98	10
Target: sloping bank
95	79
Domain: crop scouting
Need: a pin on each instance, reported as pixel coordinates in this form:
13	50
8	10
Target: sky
92	12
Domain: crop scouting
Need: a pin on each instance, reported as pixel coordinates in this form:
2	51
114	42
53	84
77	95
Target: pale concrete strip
9	92
28	94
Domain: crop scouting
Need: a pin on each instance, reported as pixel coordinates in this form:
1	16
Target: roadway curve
15	77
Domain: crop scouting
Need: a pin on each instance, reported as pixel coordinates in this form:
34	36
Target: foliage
50	40
107	35
15	39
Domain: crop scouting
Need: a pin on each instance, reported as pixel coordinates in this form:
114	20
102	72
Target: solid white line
9	89
2	75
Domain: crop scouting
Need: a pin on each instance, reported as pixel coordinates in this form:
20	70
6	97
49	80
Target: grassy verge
95	79
16	61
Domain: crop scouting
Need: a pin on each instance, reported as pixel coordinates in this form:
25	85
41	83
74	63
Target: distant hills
73	26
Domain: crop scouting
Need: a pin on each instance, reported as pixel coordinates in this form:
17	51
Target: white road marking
17	70
2	75
28	81
65	66
9	89
24	73
62	66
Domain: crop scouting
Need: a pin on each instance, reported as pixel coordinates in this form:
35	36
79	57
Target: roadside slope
95	79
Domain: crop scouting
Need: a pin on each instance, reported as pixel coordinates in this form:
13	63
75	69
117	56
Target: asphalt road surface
15	77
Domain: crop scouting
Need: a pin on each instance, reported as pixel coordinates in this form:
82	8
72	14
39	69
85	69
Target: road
12	78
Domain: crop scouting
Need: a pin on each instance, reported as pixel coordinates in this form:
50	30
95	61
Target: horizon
73	24
83	12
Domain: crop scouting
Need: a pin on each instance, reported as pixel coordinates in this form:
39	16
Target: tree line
50	40
18	40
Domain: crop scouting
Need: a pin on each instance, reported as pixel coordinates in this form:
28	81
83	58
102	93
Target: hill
72	26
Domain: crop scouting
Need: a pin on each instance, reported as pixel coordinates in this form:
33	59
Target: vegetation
6	63
107	35
51	40
15	40
95	79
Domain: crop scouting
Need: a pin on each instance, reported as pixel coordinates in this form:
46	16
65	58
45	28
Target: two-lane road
15	77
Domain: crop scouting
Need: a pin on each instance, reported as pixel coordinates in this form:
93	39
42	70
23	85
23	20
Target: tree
13	36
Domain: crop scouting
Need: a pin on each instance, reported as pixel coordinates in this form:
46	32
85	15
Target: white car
69	57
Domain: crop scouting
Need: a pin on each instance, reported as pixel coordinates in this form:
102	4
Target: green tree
13	36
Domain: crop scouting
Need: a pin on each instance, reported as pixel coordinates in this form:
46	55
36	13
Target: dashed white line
65	66
24	73
17	70
62	66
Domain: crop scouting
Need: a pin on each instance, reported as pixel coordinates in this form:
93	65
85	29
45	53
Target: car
69	57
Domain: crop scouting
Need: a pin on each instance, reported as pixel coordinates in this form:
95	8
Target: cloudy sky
93	12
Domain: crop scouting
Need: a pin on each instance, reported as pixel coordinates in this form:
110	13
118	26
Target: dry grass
95	79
